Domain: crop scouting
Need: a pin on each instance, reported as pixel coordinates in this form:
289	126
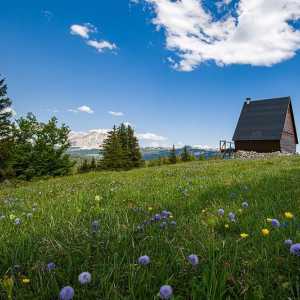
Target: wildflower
269	220
193	259
288	242
221	212
66	293
85	277
2	217
288	215
139	227
25	280
150	208
157	217
166	292
231	216
95	226
173	223
265	232
144	260
165	214
17	221
51	266
244	235
163	225
295	249
275	223
29	215
240	210
12	216
97	198
226	226
245	204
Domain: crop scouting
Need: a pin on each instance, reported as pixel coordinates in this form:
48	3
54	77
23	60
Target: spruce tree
172	156
93	164
123	137
185	155
5	130
135	154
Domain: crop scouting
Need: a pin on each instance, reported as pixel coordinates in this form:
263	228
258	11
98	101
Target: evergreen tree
125	154
112	152
135	154
93	164
84	167
172	156
5	130
185	155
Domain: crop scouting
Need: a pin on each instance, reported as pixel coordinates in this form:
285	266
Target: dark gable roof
263	120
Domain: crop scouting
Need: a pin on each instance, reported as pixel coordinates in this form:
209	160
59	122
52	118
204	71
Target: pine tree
135	154
123	137
172	156
93	164
185	155
5	130
84	167
112	152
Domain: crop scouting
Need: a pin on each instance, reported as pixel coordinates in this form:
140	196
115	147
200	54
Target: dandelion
17	221
51	266
295	249
265	232
288	242
221	212
231	216
288	215
66	293
144	260
275	223
193	259
85	277
244	235
166	292
245	204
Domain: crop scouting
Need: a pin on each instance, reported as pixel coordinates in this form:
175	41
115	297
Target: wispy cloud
83	108
116	113
151	137
85	31
47	14
255	32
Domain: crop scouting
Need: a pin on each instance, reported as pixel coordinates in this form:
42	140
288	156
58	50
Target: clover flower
85	277
295	249
144	260
221	212
275	223
51	266
193	259
265	232
245	204
288	242
166	292
66	293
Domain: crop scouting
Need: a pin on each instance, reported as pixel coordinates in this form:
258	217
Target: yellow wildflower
288	215
240	210
25	280
97	198
12	216
265	232
150	208
226	226
171	217
269	220
244	235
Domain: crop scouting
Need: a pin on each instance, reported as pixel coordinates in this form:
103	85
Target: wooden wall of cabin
258	146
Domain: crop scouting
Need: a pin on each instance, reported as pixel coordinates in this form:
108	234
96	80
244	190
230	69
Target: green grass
230	267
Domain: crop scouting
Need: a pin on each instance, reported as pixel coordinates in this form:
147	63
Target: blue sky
165	82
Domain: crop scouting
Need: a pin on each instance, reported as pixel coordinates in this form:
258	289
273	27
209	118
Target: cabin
266	126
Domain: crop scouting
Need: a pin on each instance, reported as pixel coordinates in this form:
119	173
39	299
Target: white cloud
150	137
255	32
101	45
83	30
116	113
83	108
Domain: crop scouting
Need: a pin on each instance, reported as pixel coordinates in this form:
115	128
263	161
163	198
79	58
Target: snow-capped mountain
92	139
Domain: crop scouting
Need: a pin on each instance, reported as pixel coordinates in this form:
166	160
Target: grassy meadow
51	221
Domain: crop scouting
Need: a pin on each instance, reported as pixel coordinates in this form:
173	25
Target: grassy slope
230	268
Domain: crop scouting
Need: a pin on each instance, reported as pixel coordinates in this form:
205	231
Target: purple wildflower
193	259
173	223
66	293
85	277
157	217
231	216
221	212
166	292
144	260
165	214
245	204
295	249
288	242
163	225
51	266
17	221
275	223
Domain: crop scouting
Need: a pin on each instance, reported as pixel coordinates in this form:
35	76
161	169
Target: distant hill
148	153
